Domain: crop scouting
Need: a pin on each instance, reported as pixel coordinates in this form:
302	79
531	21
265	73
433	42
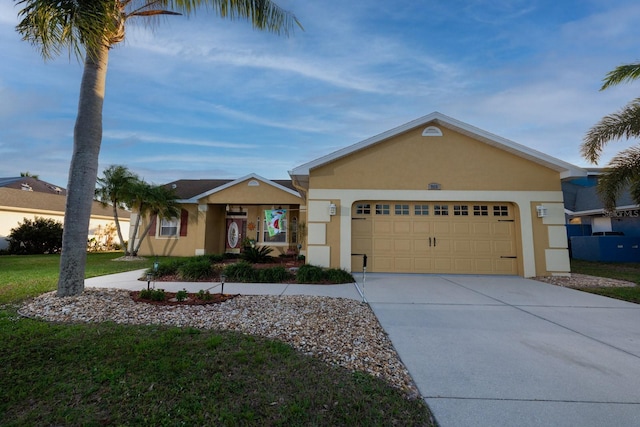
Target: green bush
215	258
338	275
204	295
194	269
153	294
257	255
241	272
168	267
310	274
181	295
277	274
37	236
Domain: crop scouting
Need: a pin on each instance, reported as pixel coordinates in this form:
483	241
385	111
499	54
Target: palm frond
623	73
622	172
623	124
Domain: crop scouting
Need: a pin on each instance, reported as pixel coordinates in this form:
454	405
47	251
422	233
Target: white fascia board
601	210
565	169
197	197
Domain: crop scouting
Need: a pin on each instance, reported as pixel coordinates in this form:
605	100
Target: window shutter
152	229
184	220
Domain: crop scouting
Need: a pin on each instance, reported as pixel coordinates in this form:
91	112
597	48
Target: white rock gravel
339	331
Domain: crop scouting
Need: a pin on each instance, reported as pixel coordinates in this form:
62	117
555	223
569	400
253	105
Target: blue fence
606	248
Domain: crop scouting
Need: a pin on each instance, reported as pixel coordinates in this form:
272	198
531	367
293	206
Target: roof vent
174	186
254	183
26	187
434	186
432	131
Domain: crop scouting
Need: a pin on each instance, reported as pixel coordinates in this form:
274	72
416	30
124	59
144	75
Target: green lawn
622	271
108	374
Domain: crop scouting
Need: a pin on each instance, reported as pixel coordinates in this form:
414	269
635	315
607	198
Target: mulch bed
192	299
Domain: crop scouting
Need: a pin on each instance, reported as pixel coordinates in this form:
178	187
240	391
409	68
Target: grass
109	374
26	276
622	271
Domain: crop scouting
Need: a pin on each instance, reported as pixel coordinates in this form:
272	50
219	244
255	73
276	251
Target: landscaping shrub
277	274
338	275
168	267
215	258
310	274
197	268
257	255
37	236
241	272
153	294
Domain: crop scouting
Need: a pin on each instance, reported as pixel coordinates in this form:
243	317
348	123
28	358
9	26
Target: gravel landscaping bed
340	331
584	281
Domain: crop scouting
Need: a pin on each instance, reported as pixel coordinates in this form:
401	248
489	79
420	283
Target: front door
236	231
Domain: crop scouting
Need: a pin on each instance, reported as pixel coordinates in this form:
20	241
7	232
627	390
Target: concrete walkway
492	350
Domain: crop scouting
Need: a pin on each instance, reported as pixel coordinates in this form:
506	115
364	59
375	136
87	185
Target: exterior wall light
541	210
332	209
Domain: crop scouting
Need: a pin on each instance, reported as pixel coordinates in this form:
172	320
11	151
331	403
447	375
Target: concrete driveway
507	351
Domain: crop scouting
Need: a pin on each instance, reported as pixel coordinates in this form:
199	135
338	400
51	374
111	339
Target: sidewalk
130	281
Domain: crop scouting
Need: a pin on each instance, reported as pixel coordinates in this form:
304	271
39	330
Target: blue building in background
595	234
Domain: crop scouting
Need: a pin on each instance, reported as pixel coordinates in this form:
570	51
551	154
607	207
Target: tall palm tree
159	202
114	189
91	28
623	171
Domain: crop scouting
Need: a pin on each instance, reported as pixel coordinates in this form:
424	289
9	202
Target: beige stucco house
221	215
437	195
28	197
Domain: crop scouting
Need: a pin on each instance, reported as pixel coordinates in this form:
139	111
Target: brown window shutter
152	229
184	220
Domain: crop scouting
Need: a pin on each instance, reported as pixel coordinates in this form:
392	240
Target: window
501	210
460	210
169	227
382	209
402	210
421	209
441	210
363	209
480	210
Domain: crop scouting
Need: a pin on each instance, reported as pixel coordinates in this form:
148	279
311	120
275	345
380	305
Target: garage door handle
434	241
429	241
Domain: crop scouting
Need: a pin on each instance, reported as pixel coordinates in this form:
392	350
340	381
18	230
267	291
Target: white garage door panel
466	238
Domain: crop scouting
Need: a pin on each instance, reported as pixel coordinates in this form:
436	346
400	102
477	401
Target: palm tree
623	171
114	190
93	27
156	201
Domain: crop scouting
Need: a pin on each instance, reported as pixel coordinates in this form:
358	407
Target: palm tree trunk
87	137
118	229
142	236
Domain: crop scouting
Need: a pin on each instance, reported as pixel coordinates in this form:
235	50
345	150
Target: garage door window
480	210
363	209
402	210
460	210
441	210
382	210
501	211
421	210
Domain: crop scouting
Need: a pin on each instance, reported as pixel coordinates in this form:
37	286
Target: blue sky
201	97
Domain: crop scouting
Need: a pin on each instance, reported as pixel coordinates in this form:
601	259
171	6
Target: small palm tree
623	171
90	28
154	201
115	189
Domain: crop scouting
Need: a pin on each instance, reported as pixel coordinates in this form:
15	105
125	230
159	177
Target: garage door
432	237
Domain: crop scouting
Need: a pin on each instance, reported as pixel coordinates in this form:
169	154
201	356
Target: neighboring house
437	196
432	196
594	233
27	197
584	208
222	215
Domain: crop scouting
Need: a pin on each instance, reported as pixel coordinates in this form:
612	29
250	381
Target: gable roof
191	190
300	174
581	196
18	200
28	183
